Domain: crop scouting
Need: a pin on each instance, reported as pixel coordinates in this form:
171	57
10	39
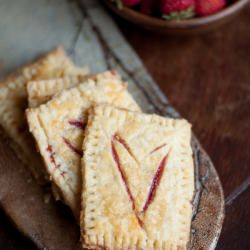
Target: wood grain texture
237	225
23	201
10	238
93	39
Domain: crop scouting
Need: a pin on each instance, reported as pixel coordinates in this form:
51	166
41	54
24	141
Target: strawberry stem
180	15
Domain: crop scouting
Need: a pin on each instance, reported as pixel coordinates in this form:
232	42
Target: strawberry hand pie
138	181
13	102
58	127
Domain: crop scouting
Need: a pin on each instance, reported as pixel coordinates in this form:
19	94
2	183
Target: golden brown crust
39	92
138	181
13	102
58	127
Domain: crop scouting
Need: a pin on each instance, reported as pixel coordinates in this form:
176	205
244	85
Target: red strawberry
177	9
168	6
207	7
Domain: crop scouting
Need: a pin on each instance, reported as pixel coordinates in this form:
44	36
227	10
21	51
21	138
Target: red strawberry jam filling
52	156
72	147
155	182
77	124
158	148
124	143
117	161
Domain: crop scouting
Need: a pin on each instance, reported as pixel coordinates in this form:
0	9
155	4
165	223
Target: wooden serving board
29	28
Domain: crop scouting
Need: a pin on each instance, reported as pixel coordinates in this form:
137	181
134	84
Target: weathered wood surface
23	201
91	38
207	78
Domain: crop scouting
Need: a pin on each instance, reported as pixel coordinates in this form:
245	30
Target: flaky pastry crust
58	127
13	102
138	181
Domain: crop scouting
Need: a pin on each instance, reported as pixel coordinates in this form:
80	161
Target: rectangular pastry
40	92
138	181
13	102
58	127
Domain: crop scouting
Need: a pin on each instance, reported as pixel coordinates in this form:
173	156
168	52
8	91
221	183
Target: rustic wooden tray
29	28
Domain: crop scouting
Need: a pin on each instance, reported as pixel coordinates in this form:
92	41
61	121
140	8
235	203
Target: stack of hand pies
127	176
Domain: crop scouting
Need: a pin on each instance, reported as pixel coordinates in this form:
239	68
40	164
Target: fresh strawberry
177	9
168	6
208	7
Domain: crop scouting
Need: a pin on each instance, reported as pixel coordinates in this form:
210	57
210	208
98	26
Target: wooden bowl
189	26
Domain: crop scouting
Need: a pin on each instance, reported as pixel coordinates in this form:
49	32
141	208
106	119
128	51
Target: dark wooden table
207	78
